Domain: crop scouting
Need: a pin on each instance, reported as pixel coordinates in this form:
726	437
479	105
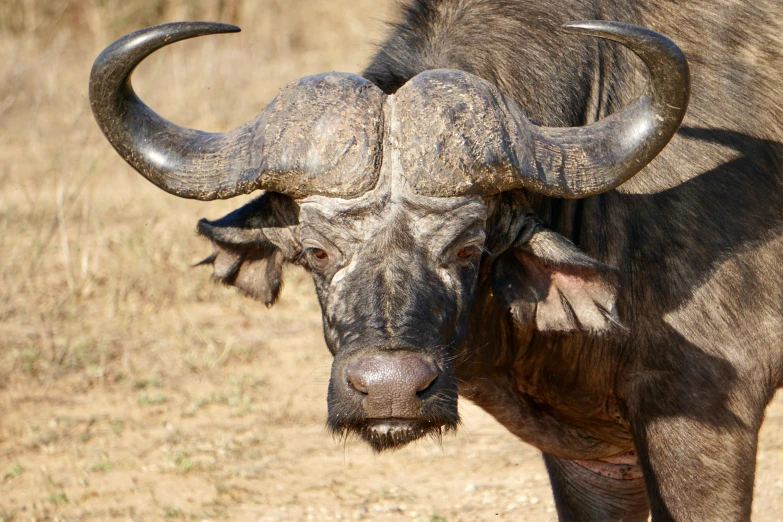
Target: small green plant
101	467
13	472
147	400
218	398
171	512
117	427
437	518
153	382
183	463
7	516
28	357
58	498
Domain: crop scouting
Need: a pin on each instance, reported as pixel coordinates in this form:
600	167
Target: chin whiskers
389	434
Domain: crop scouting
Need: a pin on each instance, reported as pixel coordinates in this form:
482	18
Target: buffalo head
401	206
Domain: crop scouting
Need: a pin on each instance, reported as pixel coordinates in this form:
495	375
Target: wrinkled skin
395	271
394	280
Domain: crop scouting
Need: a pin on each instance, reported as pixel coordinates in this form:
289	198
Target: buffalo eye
319	258
467	252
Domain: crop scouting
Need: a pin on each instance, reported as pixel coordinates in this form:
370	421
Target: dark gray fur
674	353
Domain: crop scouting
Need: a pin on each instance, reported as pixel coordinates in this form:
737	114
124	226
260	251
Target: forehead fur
389	202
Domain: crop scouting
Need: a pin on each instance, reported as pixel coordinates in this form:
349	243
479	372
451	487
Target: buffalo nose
392	385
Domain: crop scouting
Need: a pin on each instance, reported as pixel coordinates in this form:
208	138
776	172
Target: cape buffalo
489	210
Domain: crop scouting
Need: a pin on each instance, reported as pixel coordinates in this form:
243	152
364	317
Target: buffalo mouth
391	398
394	433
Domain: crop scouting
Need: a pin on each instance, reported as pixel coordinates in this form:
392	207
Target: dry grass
132	387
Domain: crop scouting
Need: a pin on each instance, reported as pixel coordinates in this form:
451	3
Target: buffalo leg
697	449
597	491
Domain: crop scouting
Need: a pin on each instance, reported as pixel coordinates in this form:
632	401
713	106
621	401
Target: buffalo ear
256	270
546	281
251	244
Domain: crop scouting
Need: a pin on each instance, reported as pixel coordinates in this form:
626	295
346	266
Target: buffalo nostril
357	383
426	386
423	375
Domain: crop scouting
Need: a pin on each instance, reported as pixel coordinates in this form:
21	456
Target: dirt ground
131	386
245	441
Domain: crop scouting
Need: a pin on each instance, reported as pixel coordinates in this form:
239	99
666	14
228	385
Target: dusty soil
131	386
245	440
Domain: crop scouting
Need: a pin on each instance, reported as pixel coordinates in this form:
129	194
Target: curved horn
308	140
583	161
485	145
183	162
